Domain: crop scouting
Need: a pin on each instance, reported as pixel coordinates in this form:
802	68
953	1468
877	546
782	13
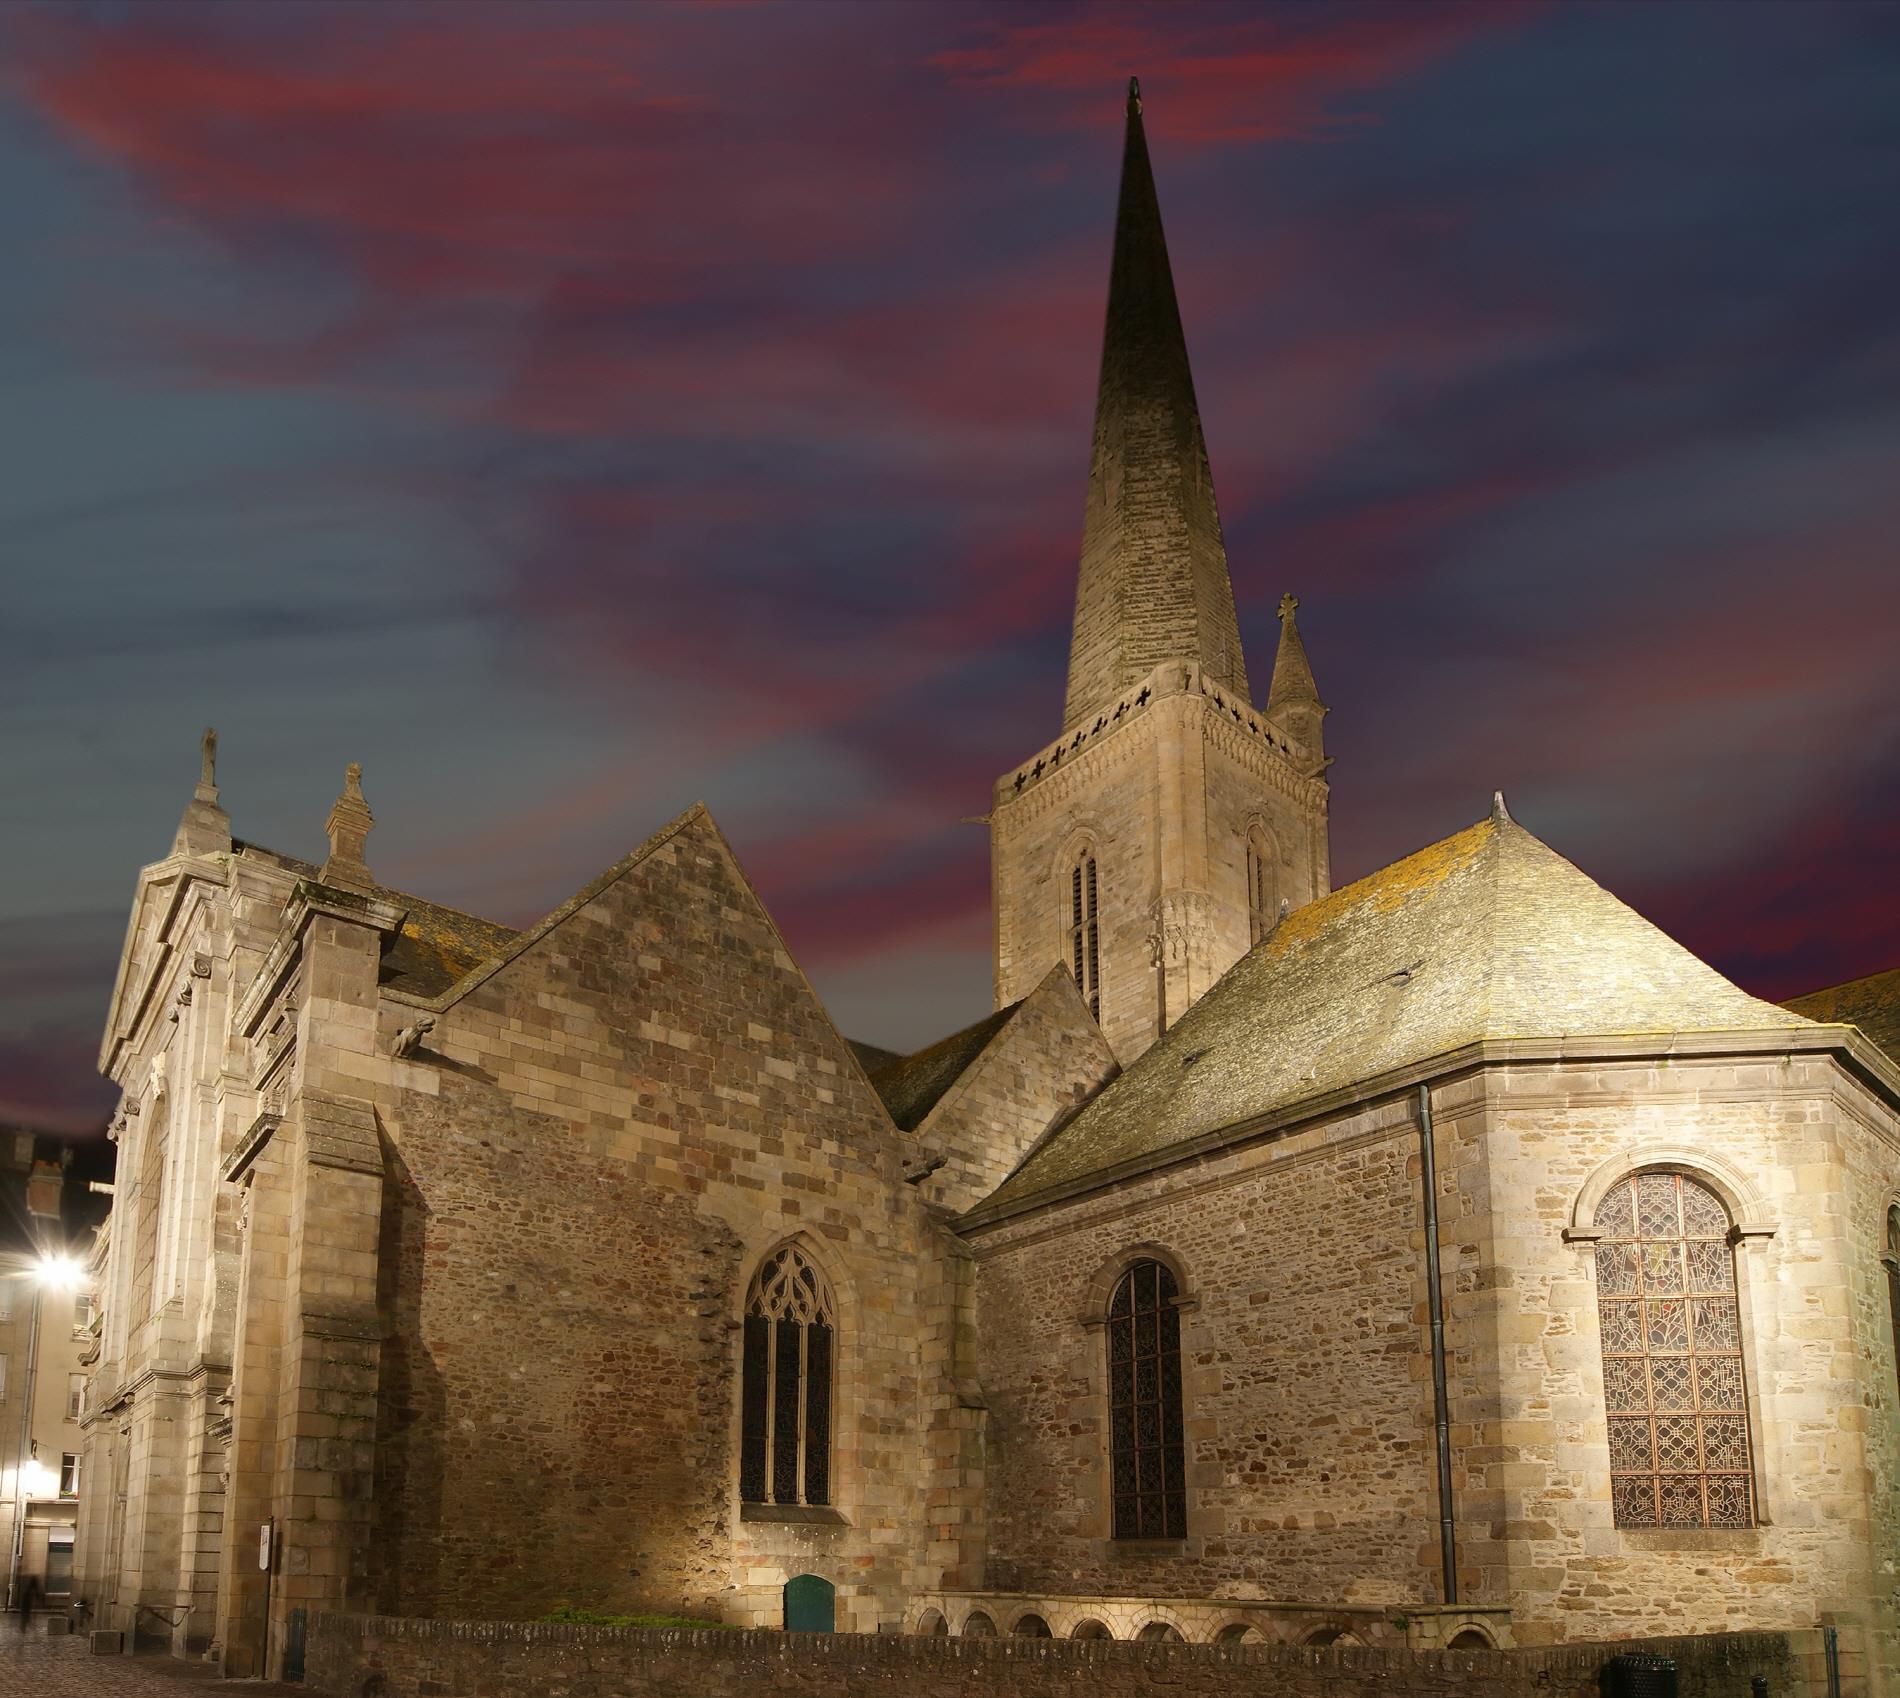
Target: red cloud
1217	77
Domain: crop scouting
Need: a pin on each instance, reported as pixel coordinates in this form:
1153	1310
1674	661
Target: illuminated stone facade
433	1240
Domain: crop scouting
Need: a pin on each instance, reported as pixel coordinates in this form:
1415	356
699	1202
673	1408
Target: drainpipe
1441	1413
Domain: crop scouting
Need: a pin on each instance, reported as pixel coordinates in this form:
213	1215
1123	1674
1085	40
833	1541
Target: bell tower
1167	828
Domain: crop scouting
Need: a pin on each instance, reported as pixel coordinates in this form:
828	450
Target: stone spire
206	827
349	828
1293	701
1153	585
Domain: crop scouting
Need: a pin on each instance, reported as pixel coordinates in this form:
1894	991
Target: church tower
1163	833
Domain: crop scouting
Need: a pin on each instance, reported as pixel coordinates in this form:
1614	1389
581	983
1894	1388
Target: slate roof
912	1085
1489	934
432	948
1872	1004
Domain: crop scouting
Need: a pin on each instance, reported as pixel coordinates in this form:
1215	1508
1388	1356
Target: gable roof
1489	934
1872	1004
912	1085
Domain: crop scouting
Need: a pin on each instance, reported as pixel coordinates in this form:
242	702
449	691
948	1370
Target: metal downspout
1441	1412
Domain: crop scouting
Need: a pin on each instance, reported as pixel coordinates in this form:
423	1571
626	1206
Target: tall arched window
785	1396
1085	942
1263	902
1147	1474
1892	1259
1672	1356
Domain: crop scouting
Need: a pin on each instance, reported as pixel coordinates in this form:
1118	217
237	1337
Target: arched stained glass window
1147	1472
1263	904
791	1321
1672	1356
1085	938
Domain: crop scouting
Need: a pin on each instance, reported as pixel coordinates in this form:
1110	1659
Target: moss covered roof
1489	934
432	948
1872	1004
912	1085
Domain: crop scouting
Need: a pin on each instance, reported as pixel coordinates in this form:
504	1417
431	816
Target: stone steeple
1164	832
1153	585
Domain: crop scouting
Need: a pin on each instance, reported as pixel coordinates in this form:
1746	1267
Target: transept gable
676	925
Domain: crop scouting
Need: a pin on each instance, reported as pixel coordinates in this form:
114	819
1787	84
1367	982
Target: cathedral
1448	1258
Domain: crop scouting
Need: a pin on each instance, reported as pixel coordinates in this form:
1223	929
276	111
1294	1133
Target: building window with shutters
1673	1375
1263	897
791	1322
1147	1468
1084	927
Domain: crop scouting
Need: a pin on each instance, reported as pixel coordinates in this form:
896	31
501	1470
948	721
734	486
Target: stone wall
1807	1166
377	1657
586	1160
1307	1389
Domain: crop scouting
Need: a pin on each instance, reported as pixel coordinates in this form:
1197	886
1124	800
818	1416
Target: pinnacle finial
1499	811
349	828
1134	97
205	828
1289	604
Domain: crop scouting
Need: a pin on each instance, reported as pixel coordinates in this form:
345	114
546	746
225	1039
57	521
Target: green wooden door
810	1604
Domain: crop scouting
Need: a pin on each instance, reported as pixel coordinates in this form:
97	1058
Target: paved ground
37	1666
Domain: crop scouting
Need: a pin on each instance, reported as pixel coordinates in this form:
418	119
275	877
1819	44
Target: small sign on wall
264	1534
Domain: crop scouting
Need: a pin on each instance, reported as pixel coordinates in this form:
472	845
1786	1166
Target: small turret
349	828
1293	702
206	827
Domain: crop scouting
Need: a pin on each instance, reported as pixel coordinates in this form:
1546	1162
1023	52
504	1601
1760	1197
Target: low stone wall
385	1657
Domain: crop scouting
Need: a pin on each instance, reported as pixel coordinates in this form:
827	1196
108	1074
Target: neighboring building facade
46	1312
473	1270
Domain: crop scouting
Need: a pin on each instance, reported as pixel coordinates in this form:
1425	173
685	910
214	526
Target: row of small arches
980	1624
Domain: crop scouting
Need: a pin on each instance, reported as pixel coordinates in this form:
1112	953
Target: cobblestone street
35	1665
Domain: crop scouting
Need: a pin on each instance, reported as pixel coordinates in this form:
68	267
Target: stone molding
1746	1206
1489	1052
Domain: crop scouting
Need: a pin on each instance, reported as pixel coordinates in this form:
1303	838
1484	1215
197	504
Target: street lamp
54	1271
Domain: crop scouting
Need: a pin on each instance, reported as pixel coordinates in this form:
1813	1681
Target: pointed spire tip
1134	97
1499	812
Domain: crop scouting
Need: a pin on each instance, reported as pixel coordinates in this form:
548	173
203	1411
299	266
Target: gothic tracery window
1262	900
1672	1356
791	1323
1085	942
1146	1466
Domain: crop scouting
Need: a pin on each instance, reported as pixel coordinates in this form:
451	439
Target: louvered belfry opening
785	1393
1673	1377
1085	931
1146	1463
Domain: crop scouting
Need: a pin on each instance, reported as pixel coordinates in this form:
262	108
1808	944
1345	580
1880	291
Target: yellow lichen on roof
1489	934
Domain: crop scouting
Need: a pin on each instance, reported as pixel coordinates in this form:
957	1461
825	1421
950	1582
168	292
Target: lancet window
1263	906
1085	939
1146	1464
1672	1356
1892	1259
791	1321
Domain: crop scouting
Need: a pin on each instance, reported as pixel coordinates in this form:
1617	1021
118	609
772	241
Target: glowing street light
54	1271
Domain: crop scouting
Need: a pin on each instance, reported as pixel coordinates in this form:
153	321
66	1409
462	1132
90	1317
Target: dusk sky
571	411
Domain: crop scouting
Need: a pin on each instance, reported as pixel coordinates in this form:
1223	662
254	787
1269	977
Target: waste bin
1637	1674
